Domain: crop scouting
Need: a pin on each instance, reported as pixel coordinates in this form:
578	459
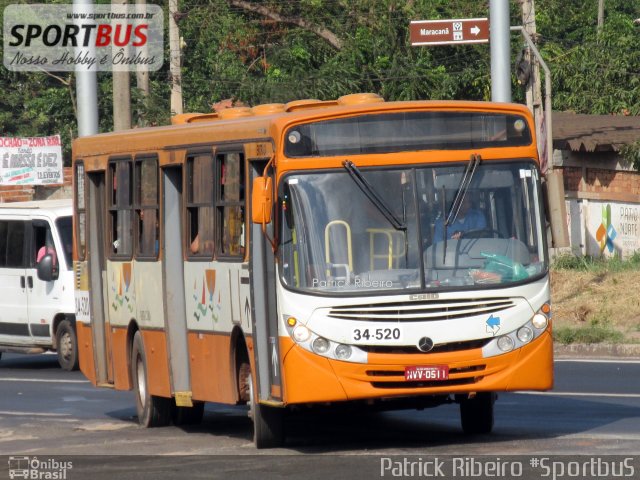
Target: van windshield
64	225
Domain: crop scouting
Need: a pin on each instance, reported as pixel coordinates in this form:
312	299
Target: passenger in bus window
468	219
195	244
207	247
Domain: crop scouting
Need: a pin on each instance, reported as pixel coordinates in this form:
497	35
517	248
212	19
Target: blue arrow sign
493	325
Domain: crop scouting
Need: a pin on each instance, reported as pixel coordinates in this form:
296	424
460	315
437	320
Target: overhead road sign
449	32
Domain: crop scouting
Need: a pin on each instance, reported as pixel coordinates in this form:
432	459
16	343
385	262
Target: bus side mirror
261	200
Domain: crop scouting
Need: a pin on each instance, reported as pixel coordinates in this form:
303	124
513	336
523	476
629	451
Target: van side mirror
261	200
47	271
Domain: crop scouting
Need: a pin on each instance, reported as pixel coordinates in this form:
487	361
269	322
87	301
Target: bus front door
97	279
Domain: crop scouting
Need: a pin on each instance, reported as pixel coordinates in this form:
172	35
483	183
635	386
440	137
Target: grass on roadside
596	265
595	300
589	334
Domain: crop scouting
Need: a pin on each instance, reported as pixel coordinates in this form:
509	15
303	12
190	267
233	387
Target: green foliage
596	264
231	52
592	72
631	153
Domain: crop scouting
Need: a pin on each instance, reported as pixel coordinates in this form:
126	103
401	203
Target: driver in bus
468	219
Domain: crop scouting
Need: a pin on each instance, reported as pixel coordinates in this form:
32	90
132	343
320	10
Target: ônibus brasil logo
83	37
34	468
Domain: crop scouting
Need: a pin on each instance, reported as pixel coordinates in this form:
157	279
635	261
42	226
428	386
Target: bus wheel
187	415
67	346
152	411
477	413
268	422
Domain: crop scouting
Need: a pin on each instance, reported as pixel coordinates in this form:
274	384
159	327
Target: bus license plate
426	373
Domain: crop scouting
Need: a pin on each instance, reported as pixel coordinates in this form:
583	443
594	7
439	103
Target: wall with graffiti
600	228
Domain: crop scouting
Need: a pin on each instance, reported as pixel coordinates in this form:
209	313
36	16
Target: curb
598	350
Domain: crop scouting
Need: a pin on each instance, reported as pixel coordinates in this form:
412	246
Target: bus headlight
506	343
539	321
320	345
301	334
343	352
525	334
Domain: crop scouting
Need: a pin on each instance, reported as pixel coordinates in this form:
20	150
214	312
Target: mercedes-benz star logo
425	344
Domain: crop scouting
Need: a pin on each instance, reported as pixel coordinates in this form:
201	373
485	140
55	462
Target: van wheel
477	413
67	346
187	415
268	422
152	411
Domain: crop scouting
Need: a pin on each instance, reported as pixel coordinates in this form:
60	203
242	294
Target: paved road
594	409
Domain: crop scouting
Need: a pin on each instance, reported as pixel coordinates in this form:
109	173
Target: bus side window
230	204
121	232
200	210
147	208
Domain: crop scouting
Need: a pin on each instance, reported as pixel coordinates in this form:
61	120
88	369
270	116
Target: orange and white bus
315	252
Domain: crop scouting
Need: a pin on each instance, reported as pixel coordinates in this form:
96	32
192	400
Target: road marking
48	380
596	360
33	414
584	394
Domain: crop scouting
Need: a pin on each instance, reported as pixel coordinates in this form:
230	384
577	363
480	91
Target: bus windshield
335	239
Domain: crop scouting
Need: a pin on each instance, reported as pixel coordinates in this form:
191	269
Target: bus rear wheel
268	422
476	413
152	411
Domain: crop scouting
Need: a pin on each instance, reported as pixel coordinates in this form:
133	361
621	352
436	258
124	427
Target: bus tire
152	411
187	415
476	413
268	422
67	346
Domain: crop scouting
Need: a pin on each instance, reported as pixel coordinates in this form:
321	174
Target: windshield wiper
451	217
372	195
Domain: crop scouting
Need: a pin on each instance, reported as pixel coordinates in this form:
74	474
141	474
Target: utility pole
142	71
534	91
121	89
86	86
175	59
499	38
600	15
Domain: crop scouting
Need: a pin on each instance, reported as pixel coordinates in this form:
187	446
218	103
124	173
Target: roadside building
602	189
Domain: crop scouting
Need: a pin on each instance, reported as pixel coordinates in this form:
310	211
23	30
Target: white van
36	280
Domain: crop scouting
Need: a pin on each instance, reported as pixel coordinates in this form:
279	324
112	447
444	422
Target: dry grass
600	299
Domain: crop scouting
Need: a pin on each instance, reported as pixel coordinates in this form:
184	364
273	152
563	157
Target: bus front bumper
310	378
